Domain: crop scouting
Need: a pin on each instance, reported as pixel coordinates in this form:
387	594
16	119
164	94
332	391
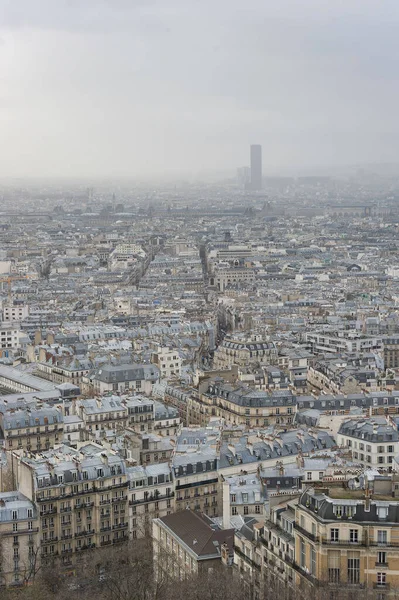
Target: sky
148	88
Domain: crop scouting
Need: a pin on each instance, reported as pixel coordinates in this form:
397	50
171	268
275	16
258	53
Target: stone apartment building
195	470
339	539
373	442
168	362
19	539
151	495
32	428
241	405
244	495
121	378
102	413
81	498
244	350
188	543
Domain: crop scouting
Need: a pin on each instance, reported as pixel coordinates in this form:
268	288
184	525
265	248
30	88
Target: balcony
85	547
119	499
155	498
105	528
120	540
248	560
65	509
45	555
49	540
48	511
107	543
66	537
102	502
20	531
120	526
66	551
82	533
306	533
382	565
381	586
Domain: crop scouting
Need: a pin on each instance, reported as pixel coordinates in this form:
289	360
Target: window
382	536
334	535
353	570
303	554
309	476
312	560
382	512
381	558
381	579
353	536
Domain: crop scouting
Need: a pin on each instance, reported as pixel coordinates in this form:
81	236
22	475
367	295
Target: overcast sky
142	87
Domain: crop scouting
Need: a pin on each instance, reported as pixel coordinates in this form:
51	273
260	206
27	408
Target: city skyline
132	89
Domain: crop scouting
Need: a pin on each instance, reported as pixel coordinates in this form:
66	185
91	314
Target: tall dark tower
256	167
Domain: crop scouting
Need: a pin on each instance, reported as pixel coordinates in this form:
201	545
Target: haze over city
136	88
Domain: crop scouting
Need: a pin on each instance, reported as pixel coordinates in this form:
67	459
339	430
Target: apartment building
241	405
151	495
121	378
197	481
168	362
11	338
339	539
33	427
146	448
14	313
102	413
188	543
373	442
141	413
341	341
245	496
166	419
82	499
195	469
391	352
19	539
244	350
64	369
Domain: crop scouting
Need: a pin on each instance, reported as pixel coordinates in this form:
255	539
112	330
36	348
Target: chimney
367	499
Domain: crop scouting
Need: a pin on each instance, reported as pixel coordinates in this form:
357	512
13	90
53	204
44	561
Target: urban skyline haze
149	88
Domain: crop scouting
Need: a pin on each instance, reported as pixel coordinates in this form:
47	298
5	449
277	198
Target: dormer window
338	511
382	512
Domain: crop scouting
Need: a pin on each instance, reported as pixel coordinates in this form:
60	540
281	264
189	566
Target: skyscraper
256	167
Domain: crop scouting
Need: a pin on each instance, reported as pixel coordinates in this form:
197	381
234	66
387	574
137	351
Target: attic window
382	512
